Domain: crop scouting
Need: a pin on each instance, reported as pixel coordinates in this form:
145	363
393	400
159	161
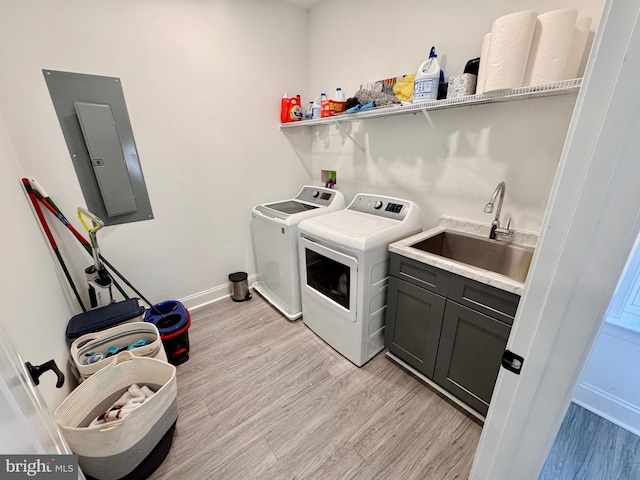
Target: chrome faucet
488	208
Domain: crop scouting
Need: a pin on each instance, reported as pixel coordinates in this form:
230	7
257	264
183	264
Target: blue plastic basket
173	321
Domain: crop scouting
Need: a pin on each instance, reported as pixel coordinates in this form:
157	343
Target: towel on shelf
127	403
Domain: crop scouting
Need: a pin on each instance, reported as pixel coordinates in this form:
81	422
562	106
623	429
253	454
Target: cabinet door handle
512	362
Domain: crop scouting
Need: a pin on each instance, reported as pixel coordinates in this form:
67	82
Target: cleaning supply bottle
339	102
317	105
285	107
295	109
425	87
315	110
300	114
309	113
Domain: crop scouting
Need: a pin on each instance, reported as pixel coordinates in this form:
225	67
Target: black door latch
512	362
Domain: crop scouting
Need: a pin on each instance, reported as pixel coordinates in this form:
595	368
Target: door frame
589	229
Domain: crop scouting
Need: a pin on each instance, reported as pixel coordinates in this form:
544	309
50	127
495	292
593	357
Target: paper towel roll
484	58
550	46
511	37
578	47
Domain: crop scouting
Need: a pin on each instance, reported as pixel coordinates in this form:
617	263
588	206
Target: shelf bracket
435	130
344	130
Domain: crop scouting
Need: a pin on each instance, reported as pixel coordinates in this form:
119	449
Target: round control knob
377	205
315	194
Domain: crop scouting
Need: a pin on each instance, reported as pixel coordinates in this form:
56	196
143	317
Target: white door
27	425
589	230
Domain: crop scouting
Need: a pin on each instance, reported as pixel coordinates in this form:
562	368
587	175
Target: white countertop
402	247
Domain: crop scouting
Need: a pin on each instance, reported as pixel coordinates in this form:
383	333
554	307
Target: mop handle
54	246
37	187
51	206
97	225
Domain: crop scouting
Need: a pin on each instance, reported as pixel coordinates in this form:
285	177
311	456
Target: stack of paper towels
525	48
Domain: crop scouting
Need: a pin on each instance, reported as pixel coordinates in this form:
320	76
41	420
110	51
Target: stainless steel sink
496	256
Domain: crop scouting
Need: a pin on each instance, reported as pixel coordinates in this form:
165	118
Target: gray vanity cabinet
451	329
413	329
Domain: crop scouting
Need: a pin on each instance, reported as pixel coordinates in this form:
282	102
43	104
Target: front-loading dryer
344	270
274	233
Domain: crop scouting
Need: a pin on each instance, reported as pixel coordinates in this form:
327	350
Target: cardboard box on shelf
330	108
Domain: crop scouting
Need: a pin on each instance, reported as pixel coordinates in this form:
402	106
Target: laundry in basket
93	351
133	446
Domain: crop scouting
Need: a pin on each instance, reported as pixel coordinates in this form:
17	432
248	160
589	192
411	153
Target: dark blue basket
173	321
102	318
172	317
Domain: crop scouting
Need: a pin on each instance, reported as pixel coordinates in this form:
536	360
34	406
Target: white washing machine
274	231
344	269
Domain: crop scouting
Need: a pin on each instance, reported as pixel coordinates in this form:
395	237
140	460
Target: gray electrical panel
95	124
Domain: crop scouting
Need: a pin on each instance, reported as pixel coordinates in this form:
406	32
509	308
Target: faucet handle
504	231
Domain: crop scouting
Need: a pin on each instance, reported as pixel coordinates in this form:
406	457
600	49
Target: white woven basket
111	451
119	336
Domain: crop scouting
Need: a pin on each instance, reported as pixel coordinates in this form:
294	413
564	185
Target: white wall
34	306
609	382
454	170
202	81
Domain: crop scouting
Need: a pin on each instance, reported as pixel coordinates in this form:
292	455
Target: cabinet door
470	353
413	322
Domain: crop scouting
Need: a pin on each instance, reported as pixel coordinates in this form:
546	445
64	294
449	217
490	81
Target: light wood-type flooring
264	398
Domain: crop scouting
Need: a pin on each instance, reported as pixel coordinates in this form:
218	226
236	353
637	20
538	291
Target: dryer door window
329	277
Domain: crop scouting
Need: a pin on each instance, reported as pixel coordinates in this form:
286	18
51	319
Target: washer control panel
382	206
316	195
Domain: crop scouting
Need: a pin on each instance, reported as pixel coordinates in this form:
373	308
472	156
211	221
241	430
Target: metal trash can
239	287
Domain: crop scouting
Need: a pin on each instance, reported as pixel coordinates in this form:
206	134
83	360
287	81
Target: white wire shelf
546	90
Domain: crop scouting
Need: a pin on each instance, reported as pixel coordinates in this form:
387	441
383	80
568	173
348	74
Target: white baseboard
606	406
215	294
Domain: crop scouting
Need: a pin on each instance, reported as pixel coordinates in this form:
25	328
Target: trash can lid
238	276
